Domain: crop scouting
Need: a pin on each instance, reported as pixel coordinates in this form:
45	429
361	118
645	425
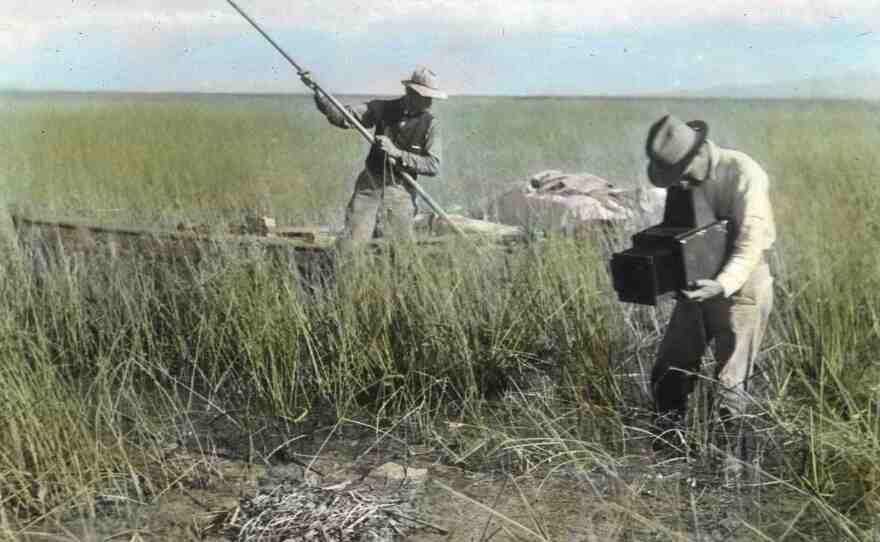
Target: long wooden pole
352	121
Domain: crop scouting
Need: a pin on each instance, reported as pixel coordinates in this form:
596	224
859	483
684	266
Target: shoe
730	443
670	434
732	471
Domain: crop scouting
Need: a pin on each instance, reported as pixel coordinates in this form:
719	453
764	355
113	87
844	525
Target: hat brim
667	175
427	92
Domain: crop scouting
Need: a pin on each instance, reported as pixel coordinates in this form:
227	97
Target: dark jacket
418	136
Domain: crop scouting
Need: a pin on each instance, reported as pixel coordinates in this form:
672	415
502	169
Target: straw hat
424	81
671	146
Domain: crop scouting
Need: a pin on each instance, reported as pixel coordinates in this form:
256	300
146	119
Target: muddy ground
637	496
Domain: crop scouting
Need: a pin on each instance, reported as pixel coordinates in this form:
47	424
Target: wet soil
638	496
643	501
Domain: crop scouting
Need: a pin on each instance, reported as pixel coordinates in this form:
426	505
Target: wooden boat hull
309	252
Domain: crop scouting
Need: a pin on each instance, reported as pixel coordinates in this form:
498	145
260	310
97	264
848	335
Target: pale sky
475	46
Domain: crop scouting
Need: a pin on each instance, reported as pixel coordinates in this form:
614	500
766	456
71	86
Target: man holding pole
407	141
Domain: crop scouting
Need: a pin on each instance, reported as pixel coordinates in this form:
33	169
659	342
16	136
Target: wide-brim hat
424	81
671	146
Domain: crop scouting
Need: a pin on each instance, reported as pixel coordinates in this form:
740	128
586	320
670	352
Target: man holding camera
733	308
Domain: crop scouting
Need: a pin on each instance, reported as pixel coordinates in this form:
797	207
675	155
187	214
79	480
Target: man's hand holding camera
702	290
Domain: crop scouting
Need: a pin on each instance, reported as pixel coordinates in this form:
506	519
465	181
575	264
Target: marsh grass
521	362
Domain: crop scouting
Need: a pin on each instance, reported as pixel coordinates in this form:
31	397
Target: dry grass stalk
339	513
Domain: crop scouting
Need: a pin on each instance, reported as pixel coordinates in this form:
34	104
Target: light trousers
373	201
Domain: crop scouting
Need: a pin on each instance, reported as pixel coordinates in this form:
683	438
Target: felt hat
424	81
671	146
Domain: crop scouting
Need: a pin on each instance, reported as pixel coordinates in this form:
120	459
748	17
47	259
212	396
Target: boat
70	243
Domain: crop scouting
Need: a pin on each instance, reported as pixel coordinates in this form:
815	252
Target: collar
407	114
711	173
714	159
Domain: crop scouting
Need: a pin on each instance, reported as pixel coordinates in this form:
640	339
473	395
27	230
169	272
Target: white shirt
737	189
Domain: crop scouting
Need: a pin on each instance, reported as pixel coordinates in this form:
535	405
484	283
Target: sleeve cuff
418	164
729	284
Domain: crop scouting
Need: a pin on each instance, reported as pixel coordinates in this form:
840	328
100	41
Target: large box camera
691	244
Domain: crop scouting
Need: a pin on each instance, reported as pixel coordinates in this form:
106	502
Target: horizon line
683	95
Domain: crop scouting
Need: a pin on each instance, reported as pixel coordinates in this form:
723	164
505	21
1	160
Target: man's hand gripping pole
312	84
